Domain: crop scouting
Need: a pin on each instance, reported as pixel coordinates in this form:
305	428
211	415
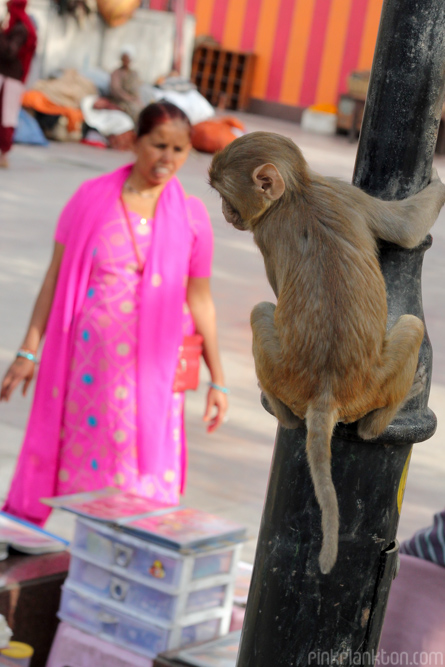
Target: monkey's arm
408	221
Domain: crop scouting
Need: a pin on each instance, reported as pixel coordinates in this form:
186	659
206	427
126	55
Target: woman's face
161	153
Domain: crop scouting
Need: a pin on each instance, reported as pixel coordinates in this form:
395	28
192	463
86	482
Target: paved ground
228	470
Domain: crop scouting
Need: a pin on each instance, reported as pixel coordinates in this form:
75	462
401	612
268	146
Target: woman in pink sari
128	278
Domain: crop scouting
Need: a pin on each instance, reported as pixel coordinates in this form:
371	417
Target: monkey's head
253	173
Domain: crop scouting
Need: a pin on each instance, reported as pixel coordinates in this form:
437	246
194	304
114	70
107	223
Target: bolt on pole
295	615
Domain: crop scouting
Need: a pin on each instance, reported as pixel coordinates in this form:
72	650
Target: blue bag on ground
28	131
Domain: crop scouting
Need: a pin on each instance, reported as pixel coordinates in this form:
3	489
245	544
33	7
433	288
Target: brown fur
322	353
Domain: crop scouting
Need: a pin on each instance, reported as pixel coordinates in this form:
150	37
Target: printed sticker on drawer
130	593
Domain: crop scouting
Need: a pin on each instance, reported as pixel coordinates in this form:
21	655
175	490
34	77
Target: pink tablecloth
78	649
415	618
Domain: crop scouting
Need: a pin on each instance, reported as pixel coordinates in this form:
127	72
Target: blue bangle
224	390
27	355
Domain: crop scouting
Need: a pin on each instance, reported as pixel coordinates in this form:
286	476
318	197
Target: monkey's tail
320	422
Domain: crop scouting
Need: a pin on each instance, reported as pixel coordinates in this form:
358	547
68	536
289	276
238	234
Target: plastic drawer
210	565
138	596
136	633
170	569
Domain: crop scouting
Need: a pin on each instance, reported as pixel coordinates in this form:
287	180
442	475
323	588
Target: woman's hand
215	399
21	370
202	308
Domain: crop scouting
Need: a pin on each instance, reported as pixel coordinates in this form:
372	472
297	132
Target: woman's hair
158	113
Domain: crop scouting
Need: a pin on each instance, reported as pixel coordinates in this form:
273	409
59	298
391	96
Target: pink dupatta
164	284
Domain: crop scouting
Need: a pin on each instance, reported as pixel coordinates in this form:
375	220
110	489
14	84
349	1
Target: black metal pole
295	615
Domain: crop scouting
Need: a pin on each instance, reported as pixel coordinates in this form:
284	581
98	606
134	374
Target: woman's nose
167	155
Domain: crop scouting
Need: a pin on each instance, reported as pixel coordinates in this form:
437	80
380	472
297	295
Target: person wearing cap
18	42
125	84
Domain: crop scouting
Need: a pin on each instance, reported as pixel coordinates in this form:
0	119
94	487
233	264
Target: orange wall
305	48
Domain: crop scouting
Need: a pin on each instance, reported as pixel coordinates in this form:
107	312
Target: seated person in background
125	84
428	543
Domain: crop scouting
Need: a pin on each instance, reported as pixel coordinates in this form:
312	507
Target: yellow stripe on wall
370	34
264	43
204	14
296	55
327	88
233	29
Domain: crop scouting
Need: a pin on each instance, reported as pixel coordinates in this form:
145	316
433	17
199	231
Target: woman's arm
23	369
202	308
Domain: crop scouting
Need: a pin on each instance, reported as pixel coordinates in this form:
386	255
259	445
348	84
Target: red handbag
187	370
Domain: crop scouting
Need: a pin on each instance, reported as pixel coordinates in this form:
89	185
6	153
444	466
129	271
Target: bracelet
27	355
224	390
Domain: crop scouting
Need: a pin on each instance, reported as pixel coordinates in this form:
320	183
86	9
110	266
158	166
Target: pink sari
160	333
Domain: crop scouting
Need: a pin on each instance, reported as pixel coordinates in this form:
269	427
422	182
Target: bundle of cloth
81	109
215	134
61	96
114	125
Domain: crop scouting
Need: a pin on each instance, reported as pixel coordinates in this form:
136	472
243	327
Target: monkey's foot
374	423
277	408
292	423
419	382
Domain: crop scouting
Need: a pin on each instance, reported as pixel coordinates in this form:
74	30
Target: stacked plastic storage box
155	584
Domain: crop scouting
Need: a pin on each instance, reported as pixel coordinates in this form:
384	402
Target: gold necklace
142	193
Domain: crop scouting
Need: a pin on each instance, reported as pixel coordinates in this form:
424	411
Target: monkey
322	354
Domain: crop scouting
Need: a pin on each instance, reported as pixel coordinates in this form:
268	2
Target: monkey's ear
269	181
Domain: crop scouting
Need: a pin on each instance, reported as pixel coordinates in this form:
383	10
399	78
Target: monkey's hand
434	175
437	184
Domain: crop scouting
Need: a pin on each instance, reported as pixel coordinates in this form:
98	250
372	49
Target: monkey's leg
284	414
267	355
398	381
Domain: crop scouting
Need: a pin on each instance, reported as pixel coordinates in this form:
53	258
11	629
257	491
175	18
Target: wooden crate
350	115
223	77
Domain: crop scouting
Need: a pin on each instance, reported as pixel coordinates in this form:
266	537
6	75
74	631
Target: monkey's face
241	204
232	215
247	183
